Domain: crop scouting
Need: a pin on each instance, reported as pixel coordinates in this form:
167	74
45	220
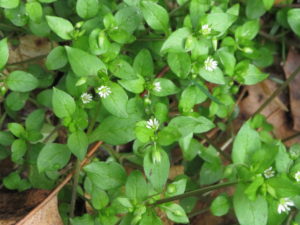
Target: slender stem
277	91
54	193
51	134
191	215
179	8
288	6
28	60
74	188
2	119
216	147
194	193
10	27
93	120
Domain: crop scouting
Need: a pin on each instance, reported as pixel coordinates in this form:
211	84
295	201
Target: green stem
93	120
2	119
74	188
9	27
191	215
52	133
277	91
193	193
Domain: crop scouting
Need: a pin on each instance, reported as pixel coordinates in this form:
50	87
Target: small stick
61	185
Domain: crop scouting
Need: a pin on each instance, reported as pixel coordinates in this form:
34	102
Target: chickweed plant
147	82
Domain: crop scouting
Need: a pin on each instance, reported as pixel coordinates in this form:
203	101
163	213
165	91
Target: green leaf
6	138
86	219
246	142
211	172
128	17
255	9
220	205
167	136
228	60
4	52
190	149
284	187
116	102
16	129
99	198
187	124
176	188
191	96
83	63
53	157
250	212
220	21
143	63
155	15
15	101
78	144
115	131
157	172
47	1
14	182
216	76
106	175
34	11
175	213
21	81
136	186
62	27
150	217
247	31
63	103
143	134
293	18
57	58
122	69
9	4
249	74
35	120
167	87
18	150
135	86
282	161
87	8
180	64
175	42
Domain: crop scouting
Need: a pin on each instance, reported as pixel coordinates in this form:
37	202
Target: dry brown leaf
15	206
274	113
291	64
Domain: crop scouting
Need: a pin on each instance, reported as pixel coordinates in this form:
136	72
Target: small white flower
297	176
86	98
205	29
103	91
152	124
268	173
284	205
210	64
157	86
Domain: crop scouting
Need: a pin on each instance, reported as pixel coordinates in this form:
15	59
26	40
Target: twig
287	6
277	91
28	60
216	147
61	185
291	137
74	188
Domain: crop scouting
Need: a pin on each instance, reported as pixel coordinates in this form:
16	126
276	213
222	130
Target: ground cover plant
131	89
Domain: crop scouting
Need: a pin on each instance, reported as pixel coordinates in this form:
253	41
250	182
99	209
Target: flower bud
156	156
